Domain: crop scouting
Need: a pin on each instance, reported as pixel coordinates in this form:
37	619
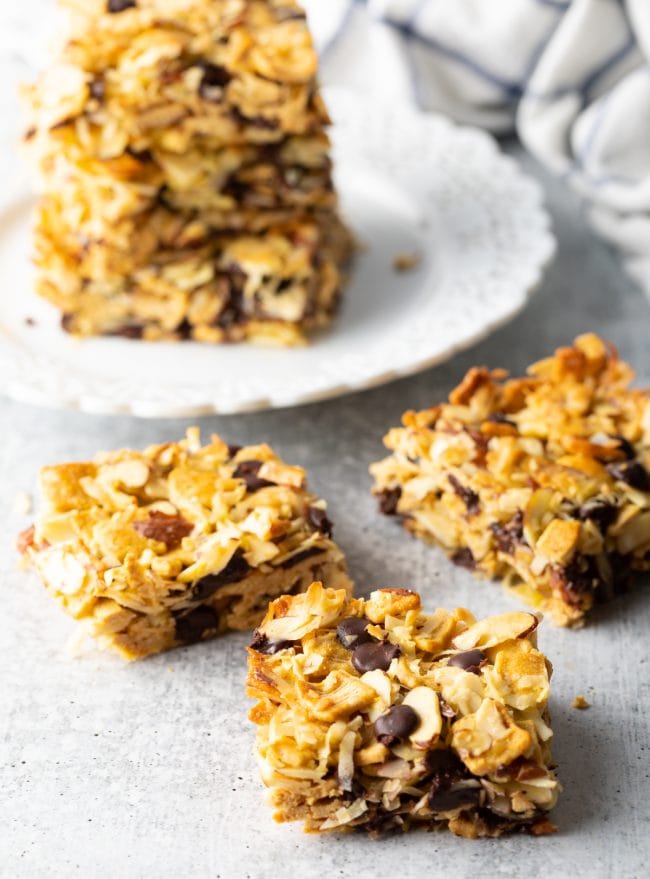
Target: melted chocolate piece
317	518
235	570
352	632
464	558
191	627
469	497
261	644
444	800
248	470
396	725
469	660
115	6
598	511
214	79
507	537
632	473
388	500
367	657
301	556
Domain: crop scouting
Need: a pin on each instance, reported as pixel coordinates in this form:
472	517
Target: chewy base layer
170	546
542	482
374	716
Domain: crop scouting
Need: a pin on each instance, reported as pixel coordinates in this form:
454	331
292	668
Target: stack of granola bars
185	173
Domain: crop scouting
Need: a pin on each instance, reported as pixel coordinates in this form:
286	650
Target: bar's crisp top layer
547	474
373	711
161	530
163	72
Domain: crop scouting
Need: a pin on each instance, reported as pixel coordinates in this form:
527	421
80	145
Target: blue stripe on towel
512	89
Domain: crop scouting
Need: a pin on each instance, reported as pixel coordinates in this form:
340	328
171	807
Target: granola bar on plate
184	170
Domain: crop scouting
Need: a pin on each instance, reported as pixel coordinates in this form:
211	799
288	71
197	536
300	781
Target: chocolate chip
507	537
191	627
301	556
444	800
248	470
446	770
625	446
355	792
261	644
469	660
598	511
501	418
169	530
232	450
396	725
352	632
115	6
213	80
98	89
464	558
184	329
235	570
388	500
445	766
128	331
632	473
233	311
289	15
317	518
576	580
469	497
255	121
368	657
381	825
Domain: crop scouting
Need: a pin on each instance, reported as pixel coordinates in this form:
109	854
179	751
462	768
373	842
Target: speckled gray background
145	770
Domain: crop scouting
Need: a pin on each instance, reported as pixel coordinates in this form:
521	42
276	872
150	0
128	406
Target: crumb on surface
22	504
580	703
406	262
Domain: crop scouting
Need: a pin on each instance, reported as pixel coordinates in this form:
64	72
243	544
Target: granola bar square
375	716
176	544
542	482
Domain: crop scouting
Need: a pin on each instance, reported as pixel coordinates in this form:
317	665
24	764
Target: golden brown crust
179	542
542	481
373	715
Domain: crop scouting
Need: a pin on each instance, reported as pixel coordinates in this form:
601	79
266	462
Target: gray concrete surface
145	770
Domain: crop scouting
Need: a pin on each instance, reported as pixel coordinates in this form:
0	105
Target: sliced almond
132	473
424	701
497	629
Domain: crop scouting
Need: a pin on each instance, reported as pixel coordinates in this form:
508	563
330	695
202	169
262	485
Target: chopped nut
497	629
424	701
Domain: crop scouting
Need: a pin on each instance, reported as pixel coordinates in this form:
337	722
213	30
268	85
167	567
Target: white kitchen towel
571	77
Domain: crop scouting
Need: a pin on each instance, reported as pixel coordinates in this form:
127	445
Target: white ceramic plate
409	183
